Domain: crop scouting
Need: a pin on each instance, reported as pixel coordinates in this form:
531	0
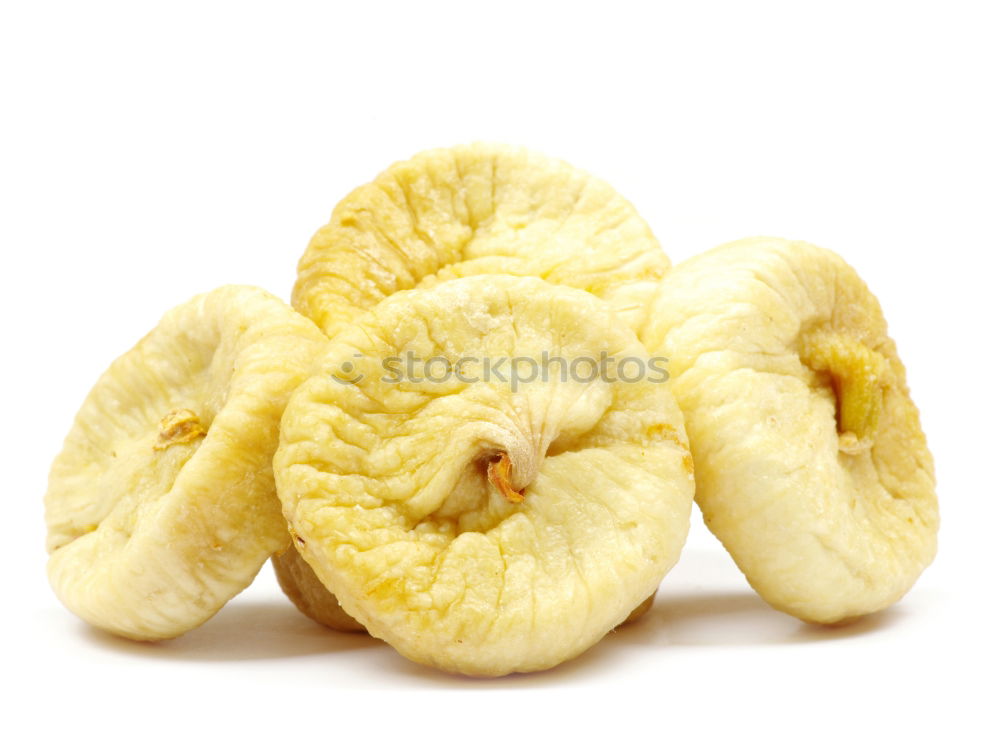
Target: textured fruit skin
811	463
302	587
299	583
161	505
478	209
385	484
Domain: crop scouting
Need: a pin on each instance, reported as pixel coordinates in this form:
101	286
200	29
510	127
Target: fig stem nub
180	426
498	473
859	375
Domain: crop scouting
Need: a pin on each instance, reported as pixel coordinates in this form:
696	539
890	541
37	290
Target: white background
152	153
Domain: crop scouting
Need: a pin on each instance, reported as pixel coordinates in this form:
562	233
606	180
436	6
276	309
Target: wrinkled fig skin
161	505
465	211
389	490
478	209
812	466
299	583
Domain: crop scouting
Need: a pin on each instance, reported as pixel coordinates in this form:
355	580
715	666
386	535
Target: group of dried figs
478	433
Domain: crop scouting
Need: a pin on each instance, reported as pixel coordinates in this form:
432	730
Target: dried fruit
161	505
812	466
299	583
385	477
478	209
466	211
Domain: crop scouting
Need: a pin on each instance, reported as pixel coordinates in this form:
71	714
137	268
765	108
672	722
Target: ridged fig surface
812	466
304	589
161	505
475	527
478	209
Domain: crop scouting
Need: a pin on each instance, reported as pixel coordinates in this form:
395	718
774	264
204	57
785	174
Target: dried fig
478	209
161	505
479	524
811	464
299	583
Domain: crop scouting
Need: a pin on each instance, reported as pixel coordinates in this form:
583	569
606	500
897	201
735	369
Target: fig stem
180	426
498	473
859	376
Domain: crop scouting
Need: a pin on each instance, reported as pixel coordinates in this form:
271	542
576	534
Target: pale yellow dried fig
301	585
477	525
478	209
161	505
811	464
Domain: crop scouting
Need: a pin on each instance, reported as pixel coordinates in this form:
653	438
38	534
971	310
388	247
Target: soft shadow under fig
685	616
688	619
733	619
244	631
